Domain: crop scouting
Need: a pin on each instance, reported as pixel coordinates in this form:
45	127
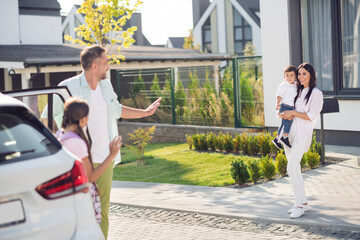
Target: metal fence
228	97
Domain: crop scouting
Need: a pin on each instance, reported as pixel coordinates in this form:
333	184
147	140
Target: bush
228	143
211	139
219	143
253	146
239	172
254	170
281	163
195	140
244	143
313	159
267	167
273	148
140	139
236	143
202	142
264	141
199	141
189	141
303	161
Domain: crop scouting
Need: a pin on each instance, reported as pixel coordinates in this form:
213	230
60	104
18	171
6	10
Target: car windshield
21	140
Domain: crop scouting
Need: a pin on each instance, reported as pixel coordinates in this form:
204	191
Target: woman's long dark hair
312	83
74	110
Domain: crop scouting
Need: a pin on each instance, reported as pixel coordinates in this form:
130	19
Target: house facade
324	33
226	26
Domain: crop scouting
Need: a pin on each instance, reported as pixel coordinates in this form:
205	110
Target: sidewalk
333	193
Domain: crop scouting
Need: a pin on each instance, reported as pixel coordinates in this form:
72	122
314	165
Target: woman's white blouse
301	129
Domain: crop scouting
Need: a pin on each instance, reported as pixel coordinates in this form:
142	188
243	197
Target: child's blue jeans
286	124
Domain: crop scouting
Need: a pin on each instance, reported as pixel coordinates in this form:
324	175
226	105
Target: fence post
172	84
236	90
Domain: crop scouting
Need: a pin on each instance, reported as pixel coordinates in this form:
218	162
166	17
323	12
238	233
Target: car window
37	104
23	137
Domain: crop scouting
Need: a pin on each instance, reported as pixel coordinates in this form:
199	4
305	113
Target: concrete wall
9	22
40	29
172	133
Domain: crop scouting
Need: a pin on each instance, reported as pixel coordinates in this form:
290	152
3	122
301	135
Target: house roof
39	7
177	42
39	4
44	55
251	7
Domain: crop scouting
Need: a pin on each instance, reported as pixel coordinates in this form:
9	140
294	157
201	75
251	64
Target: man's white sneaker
305	208
297	212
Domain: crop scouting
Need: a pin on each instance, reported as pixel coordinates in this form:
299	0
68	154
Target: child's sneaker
285	141
277	144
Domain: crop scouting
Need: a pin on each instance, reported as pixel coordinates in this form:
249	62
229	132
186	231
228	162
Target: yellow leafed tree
104	22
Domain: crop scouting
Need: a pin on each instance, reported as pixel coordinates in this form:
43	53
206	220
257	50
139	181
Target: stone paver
145	223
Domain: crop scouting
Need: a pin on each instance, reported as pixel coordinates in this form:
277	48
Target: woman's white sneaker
305	208
297	212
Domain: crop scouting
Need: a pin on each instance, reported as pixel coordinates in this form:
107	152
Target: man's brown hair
290	68
89	54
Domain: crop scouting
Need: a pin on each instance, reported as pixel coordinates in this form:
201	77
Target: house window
330	43
242	33
206	33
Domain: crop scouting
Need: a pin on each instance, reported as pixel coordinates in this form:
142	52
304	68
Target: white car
44	190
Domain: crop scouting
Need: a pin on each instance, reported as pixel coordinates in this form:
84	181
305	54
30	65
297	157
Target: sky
161	19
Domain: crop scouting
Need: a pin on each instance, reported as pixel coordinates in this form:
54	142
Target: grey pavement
333	193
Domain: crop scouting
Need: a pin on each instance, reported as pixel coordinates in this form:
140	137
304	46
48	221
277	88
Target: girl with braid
73	138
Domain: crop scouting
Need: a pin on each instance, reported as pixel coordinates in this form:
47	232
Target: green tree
104	22
180	99
139	85
155	87
189	42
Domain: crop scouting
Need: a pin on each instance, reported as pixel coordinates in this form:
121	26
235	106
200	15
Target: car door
43	99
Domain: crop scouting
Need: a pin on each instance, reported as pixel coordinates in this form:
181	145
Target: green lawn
175	163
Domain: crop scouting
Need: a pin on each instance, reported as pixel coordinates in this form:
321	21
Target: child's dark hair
290	68
74	110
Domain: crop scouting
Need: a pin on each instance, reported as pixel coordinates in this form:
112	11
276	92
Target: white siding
9	22
275	52
40	30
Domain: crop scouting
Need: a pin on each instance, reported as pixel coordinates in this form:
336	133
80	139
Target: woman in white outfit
308	105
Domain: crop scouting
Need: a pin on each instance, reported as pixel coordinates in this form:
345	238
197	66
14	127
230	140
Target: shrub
228	143
239	172
244	143
281	163
315	146
219	143
211	139
264	141
189	141
141	138
273	148
267	167
236	143
303	161
254	170
202	142
313	159
195	141
253	145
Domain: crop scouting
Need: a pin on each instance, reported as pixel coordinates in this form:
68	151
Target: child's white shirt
288	93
